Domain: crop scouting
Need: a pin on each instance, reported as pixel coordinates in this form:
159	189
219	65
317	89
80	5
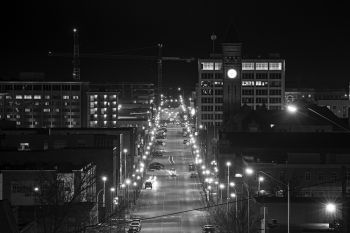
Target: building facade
228	81
336	100
43	104
102	109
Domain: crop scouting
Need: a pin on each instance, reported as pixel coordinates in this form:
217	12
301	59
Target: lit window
114	122
218	65
37	97
95	96
262	66
104	96
75	97
18	97
114	109
105	115
27	110
47	103
18	123
207	65
248	66
114	96
105	122
260	83
104	102
8	116
247	83
66	97
275	66
27	97
57	110
91	98
8	97
46	110
114	102
47	97
95	115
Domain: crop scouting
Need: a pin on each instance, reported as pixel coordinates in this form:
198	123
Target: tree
64	199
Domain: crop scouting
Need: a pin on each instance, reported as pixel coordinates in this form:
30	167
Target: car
157	165
191	167
133	230
185	141
136	224
193	175
148	185
136	220
157	154
208	229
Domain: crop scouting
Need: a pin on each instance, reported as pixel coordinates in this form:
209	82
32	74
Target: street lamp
125	151
260	179
234	195
112	189
292	108
104	179
228	164
221	186
288	196
330	208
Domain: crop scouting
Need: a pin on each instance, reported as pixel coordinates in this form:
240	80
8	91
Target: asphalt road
172	194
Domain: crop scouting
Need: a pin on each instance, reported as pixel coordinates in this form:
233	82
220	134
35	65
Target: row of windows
261	100
211	116
211	84
245	65
261	92
210	108
210	92
211	76
29	87
252	83
211	100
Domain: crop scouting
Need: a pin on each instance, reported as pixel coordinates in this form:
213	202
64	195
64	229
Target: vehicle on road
208	229
157	154
156	166
185	141
133	230
191	167
148	185
136	224
193	175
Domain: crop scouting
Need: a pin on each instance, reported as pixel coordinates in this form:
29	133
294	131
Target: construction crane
76	62
159	59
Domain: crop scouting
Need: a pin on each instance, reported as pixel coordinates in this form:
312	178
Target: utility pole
159	72
76	62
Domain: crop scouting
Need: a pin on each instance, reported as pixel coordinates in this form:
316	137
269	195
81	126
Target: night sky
313	38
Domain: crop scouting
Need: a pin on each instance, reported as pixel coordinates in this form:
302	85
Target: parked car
136	224
148	185
157	154
193	175
208	229
191	167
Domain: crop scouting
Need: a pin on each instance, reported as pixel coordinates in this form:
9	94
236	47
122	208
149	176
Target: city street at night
172	194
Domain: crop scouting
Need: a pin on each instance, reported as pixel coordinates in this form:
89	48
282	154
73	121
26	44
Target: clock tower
232	68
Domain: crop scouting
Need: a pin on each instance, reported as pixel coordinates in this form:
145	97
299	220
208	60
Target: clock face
232	73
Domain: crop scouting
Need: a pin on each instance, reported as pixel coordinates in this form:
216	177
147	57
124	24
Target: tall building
142	93
227	82
36	104
102	109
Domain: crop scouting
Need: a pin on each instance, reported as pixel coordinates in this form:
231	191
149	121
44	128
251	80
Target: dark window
275	92
248	76
247	92
261	76
261	92
275	75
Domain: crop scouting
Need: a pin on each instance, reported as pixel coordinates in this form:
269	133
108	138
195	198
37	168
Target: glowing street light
104	179
292	108
249	171
330	208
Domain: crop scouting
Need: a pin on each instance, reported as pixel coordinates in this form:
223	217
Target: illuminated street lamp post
104	179
288	196
248	171
221	186
228	164
125	151
234	195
